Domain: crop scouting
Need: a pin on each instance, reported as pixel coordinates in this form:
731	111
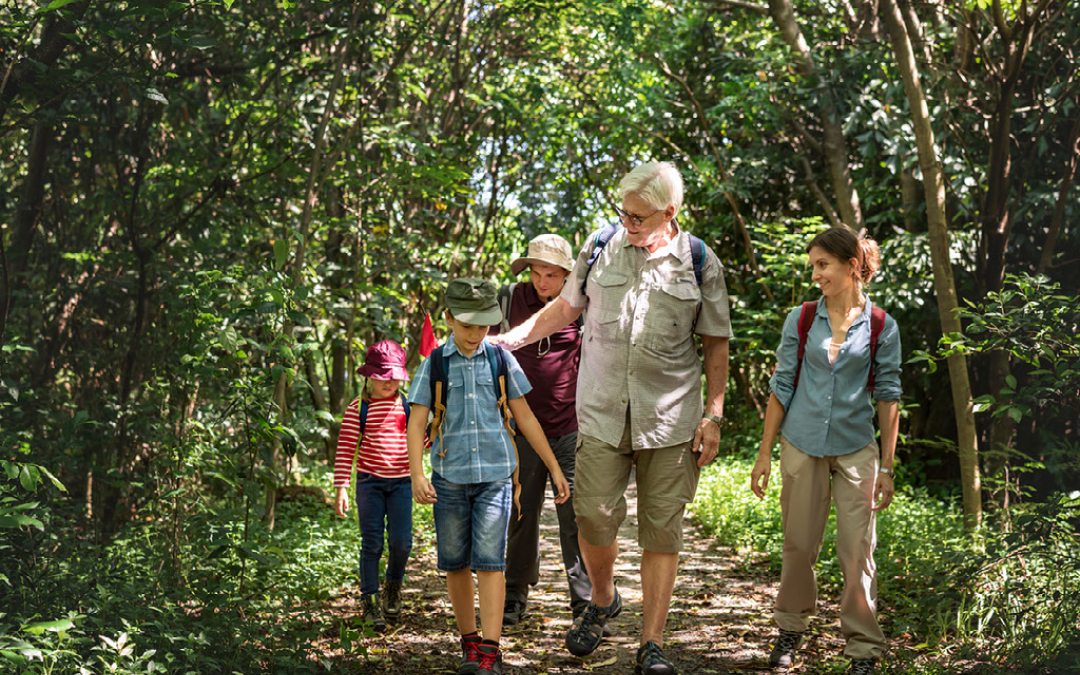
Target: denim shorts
470	524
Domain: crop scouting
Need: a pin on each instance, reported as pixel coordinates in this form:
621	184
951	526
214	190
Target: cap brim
519	265
377	373
487	317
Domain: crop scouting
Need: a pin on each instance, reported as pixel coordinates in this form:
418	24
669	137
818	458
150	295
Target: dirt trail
719	620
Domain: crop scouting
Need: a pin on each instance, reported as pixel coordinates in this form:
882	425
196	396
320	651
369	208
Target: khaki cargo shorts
667	480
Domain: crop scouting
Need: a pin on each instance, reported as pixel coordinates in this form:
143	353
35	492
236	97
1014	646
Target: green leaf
53	479
281	253
1015	414
18	520
202	42
51	626
155	95
57	4
1011	381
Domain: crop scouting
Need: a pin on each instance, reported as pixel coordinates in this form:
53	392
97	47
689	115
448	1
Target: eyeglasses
635	220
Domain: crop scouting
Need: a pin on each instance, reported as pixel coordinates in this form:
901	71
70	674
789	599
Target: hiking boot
391	601
369	606
577	612
862	667
584	636
470	655
783	653
490	660
651	661
513	611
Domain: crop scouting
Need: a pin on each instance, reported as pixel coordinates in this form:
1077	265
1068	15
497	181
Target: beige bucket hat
549	249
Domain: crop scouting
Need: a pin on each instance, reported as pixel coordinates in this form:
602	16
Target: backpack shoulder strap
697	255
598	245
877	324
438	378
363	415
806	319
406	406
506	300
501	372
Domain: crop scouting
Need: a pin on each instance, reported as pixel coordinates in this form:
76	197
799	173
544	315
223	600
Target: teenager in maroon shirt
552	368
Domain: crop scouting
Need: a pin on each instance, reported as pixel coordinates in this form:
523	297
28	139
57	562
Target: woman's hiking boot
588	629
470	655
391	601
371	613
783	652
490	660
651	661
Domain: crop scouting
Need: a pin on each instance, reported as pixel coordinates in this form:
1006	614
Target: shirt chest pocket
673	308
605	305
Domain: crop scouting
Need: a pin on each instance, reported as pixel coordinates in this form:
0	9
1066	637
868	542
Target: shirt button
474	449
631	372
472	422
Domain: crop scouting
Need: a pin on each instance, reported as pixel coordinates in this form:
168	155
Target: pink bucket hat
385	360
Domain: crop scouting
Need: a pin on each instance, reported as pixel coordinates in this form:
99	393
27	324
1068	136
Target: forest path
719	621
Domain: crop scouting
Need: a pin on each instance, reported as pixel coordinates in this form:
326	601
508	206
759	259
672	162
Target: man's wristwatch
887	472
713	418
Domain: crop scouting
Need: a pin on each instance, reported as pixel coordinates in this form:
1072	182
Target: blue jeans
384	507
470	524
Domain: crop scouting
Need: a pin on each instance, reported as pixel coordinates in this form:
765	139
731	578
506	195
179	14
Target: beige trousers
804	503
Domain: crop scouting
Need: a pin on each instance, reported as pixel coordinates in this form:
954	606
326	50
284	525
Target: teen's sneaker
470	655
490	660
585	634
369	606
513	611
651	661
783	652
862	667
391	601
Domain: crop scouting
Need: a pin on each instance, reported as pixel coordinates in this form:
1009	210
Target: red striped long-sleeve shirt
382	450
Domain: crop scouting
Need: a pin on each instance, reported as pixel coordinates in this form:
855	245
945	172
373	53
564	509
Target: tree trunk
944	286
1058	218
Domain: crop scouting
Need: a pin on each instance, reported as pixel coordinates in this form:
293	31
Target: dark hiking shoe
391	601
783	652
470	655
577	612
513	611
585	634
651	661
369	606
862	667
490	660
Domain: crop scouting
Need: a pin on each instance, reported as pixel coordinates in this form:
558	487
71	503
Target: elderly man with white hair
649	287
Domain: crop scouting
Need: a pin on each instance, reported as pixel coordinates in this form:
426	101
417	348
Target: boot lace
487	659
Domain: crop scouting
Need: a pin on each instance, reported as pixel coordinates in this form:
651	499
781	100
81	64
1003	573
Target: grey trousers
523	538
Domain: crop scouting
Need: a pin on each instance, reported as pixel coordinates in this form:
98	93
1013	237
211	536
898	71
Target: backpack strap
500	371
406	406
506	299
598	245
877	324
697	255
363	415
438	396
806	319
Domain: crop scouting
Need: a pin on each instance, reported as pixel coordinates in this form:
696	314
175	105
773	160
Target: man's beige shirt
638	348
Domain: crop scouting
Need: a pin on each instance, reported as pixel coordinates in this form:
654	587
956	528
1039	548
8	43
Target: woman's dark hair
843	244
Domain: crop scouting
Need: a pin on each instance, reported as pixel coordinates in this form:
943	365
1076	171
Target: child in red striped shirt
377	419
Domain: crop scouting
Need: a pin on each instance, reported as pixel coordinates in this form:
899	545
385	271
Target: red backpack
806	319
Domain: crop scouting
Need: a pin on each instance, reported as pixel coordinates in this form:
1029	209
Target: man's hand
423	491
759	476
883	491
341	502
706	441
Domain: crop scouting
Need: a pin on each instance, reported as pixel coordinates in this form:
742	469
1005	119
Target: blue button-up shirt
831	414
478	449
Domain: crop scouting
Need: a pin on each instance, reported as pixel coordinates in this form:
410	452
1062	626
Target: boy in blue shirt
473	463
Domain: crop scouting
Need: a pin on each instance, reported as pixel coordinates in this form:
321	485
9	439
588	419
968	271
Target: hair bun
871	256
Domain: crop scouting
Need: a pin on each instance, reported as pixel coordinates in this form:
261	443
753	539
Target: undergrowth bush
1006	597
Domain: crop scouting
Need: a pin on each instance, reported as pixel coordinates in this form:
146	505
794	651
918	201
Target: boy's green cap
473	301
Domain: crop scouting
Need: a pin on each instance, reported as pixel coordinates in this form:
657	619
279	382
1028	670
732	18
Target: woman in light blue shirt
821	405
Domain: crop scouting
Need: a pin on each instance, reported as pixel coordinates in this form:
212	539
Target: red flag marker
427	338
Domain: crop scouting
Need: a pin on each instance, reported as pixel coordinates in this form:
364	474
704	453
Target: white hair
658	183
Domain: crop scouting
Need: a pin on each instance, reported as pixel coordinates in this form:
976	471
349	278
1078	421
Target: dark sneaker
651	661
391	601
470	655
577	612
490	660
513	611
584	636
862	667
369	606
783	652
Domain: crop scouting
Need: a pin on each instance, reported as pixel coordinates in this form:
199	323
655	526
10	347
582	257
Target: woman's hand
341	502
883	491
759	477
561	487
422	490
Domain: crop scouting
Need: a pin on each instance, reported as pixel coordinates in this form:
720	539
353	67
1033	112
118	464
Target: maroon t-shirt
550	364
